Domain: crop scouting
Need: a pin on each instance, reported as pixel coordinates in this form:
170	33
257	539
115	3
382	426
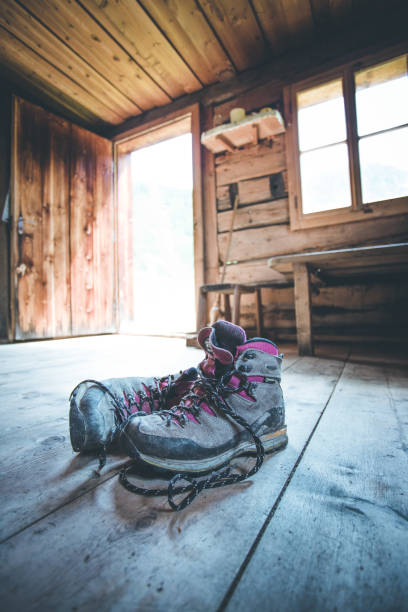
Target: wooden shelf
255	127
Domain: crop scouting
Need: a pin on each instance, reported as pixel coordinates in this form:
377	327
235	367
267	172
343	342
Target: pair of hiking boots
192	422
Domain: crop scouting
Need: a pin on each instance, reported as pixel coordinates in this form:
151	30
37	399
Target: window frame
358	211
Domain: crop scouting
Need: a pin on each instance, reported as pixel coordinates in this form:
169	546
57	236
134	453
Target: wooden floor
322	526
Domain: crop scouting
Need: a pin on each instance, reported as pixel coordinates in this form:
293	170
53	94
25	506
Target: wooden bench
236	290
368	262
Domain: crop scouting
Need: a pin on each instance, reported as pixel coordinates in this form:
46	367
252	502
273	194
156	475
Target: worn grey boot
219	418
99	410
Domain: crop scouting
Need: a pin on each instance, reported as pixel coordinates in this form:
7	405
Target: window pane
384	165
321	117
382	96
325	179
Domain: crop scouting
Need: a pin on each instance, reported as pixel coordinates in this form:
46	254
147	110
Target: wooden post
303	307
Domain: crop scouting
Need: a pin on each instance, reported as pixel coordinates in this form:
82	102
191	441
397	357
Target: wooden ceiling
104	61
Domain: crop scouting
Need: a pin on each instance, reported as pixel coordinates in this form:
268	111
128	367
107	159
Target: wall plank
254	190
251	162
250	244
267	213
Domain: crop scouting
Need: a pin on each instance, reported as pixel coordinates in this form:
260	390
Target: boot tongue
221	340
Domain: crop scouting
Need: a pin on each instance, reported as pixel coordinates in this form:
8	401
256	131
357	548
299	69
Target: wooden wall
258	173
62	250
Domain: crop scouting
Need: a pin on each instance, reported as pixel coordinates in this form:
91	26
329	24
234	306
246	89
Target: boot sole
272	442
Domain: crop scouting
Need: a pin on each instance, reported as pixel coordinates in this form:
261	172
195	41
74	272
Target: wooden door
41	268
92	233
63	227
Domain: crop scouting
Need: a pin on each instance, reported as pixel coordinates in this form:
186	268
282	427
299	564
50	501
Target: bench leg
303	307
258	313
227	307
236	312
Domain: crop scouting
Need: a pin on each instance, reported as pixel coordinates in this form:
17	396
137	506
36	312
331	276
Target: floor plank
109	549
339	538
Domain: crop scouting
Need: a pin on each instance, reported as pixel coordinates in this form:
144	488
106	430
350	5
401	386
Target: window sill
385	208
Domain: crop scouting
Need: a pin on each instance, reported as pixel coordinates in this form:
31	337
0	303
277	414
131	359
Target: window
348	144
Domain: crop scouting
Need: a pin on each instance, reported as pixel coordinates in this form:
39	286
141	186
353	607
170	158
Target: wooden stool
227	289
237	289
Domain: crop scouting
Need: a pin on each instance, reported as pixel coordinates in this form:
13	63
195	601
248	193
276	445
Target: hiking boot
98	410
220	417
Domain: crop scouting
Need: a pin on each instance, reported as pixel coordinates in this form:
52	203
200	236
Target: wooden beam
303	306
255	135
227	144
210	216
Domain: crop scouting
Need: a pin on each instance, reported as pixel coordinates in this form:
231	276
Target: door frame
154	131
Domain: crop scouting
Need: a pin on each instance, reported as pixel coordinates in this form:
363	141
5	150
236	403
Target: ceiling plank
273	21
131	26
300	21
185	25
237	28
22	59
50	98
29	30
68	20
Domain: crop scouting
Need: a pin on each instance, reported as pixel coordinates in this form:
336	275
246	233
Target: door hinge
20	224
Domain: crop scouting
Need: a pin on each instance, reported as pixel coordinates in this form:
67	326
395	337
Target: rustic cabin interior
167	164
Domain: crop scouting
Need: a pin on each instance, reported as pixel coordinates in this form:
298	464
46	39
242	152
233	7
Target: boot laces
156	396
215	392
206	391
